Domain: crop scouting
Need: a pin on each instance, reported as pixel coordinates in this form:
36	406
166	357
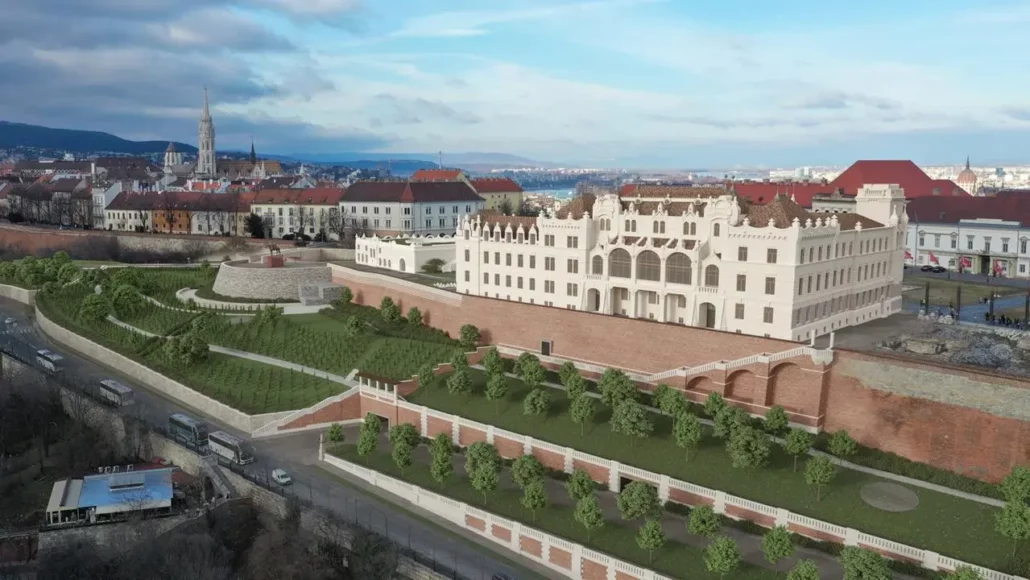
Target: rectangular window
741	283
507	281
770	286
572	289
742	254
549	240
486	278
407	224
519	281
573	266
1005	246
738	311
467	275
455	209
532	262
429	224
375	210
572	242
387	211
387	224
467	255
801	287
767	315
407	211
549	286
486	257
532	283
497	257
520	261
770	256
507	259
364	209
549	264
497	279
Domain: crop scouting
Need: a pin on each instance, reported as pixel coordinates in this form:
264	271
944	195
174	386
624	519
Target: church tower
206	143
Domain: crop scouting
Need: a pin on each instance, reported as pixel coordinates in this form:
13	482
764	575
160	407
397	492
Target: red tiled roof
660	190
762	192
436	174
496	185
952	209
430	191
308	196
375	191
784	211
904	173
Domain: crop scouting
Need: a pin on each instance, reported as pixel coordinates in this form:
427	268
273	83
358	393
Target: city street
471	557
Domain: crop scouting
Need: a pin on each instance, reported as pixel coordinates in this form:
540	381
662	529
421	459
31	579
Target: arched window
712	276
715	230
597	265
677	269
649	266
693	228
608	225
686	228
619	264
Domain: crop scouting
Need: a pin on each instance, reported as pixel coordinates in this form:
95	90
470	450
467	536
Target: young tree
566	371
485	479
414	316
713	404
616	387
651	538
532	373
704	522
95	308
575	386
749	448
659	394
525	470
469	336
127	301
496	389
426	375
639	500
804	570
442	449
842	445
631	419
862	564
534	496
536	402
688	432
580	485
727	420
404	434
368	435
588	513
492	362
478	454
389	311
964	572
459	383
402	455
819	471
797	443
722	556
776	420
334	433
1016	485
346	295
777	544
459	361
582	411
1013	522
523	360
674	404
353	326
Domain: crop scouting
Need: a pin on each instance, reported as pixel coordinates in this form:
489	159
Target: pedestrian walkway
187	294
815	452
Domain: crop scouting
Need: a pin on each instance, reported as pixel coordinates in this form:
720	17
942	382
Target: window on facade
597	265
770	286
954	242
738	311
532	261
467	275
497	279
532	284
429	224
519	282
572	242
742	254
532	238
649	266
1004	246
677	269
549	286
548	240
770	256
1022	246
936	241
712	276
486	278
407	224
572	289
619	264
987	245
801	287
507	259
507	281
486	257
969	242
572	266
497	257
715	230
549	264
767	315
741	283
519	261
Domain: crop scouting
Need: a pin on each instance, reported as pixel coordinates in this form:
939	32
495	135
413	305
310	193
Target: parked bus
187	430
116	393
230	448
49	360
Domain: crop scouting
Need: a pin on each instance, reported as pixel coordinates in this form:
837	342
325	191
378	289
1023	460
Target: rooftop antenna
439	162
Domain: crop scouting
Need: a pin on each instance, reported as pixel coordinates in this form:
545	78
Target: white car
10	321
281	477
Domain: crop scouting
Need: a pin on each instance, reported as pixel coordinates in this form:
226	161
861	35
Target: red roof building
437	175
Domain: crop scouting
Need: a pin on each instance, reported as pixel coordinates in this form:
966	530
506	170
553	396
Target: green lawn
943	523
616	538
159	320
163	283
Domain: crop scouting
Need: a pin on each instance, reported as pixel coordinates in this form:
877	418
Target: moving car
9	320
281	477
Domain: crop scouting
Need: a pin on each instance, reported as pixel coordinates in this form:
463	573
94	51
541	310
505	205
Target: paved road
297	454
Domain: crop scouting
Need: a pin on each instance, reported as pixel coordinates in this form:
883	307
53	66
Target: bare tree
302	220
169	207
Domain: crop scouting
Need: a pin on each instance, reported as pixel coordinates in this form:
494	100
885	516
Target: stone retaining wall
18	294
240	280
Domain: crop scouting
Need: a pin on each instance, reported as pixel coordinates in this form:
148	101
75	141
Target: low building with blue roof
110	496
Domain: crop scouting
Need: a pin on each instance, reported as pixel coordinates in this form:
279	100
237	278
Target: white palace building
699	256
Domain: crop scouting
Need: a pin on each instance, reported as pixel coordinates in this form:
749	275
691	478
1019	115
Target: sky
614	83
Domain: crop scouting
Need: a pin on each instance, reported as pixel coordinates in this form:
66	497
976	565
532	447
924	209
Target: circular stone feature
890	497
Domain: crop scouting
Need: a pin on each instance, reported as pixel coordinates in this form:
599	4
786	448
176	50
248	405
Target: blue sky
621	82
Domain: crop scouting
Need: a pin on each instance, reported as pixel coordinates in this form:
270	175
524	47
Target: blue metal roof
111	489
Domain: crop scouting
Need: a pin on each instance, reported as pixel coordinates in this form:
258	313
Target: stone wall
244	281
18	294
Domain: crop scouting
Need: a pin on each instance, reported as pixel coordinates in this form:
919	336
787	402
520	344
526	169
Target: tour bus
187	430
230	448
49	360
116	393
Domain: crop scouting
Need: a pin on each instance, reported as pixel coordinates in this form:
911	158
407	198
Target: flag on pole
966	262
934	259
908	255
997	267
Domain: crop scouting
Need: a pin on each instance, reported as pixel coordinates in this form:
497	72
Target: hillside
22	135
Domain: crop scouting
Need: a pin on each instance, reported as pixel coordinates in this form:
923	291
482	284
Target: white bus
231	448
116	393
187	430
49	360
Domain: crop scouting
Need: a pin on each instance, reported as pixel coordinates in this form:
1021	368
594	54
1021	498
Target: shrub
469	337
95	308
414	316
434	266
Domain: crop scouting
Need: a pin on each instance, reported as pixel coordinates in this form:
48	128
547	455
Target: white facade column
663	488
527	445
614	477
931	560
851	537
424	421
516	533
577	561
569	463
720	502
455	430
781	516
490	434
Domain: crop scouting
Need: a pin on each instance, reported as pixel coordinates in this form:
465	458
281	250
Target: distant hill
430	159
22	135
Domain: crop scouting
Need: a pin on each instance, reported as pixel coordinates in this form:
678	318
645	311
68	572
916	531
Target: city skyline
642	83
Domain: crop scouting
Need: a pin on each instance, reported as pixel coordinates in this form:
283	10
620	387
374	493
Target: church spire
253	154
206	142
206	113
967	161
